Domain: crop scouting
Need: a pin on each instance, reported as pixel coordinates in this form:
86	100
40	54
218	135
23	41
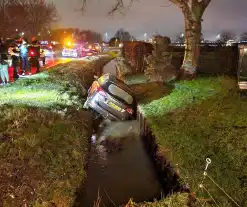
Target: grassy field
199	119
176	200
44	136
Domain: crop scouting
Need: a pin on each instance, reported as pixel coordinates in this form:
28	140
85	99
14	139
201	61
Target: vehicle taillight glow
101	91
32	53
130	111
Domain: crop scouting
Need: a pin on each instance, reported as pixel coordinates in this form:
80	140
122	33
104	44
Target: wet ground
119	167
110	67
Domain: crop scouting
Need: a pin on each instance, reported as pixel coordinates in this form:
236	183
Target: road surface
50	62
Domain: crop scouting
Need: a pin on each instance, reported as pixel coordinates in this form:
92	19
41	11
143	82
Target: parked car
68	52
111	98
242	68
47	51
90	49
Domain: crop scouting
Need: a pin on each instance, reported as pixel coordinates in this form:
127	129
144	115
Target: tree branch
118	6
179	3
206	3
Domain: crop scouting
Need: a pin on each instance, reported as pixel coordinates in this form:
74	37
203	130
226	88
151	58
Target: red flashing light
101	91
130	111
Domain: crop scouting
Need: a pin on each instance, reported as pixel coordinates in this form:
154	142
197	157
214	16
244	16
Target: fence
214	58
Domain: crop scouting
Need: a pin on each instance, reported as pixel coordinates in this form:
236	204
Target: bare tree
39	15
180	38
123	35
226	35
11	13
31	16
193	11
243	36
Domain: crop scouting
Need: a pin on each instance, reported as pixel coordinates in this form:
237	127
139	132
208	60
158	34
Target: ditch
120	166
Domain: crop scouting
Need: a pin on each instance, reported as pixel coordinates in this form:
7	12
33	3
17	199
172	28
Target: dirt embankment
43	147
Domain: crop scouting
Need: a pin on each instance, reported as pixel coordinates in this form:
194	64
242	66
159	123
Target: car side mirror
95	77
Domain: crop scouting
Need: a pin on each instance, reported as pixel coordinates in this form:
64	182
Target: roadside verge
44	135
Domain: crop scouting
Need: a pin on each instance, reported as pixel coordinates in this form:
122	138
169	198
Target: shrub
134	53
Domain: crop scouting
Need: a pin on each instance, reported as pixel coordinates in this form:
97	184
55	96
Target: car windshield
120	93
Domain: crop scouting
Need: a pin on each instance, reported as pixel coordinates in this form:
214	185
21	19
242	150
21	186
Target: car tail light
32	53
130	111
101	91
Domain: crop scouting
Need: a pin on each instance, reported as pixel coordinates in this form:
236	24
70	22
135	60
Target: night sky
148	16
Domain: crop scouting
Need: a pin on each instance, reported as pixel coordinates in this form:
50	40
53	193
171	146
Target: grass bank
199	119
44	136
176	200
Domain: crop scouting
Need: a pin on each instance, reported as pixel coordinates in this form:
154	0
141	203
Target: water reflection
119	168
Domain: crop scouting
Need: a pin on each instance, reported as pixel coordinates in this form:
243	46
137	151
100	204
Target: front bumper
242	85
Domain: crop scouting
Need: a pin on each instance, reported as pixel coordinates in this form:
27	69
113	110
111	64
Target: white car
47	51
69	53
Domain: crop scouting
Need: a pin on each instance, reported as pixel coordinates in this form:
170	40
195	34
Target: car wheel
97	119
242	93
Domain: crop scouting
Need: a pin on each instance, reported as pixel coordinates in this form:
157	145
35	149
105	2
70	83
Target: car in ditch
111	98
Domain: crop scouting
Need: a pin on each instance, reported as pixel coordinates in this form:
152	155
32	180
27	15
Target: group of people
19	53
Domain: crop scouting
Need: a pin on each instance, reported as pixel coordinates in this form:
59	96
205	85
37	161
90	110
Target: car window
243	71
120	93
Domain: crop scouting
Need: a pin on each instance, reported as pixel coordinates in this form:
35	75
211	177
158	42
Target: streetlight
145	37
106	36
16	30
182	35
22	33
218	36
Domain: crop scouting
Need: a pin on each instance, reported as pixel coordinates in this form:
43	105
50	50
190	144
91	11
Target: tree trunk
192	46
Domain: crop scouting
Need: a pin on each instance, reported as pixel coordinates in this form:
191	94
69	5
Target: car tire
242	93
96	120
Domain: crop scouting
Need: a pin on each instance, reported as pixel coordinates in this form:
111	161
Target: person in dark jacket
36	47
24	57
15	54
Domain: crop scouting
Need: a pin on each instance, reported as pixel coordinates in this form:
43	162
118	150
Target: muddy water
119	168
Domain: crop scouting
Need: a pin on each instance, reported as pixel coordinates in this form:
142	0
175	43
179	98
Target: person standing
24	57
36	47
15	53
4	73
